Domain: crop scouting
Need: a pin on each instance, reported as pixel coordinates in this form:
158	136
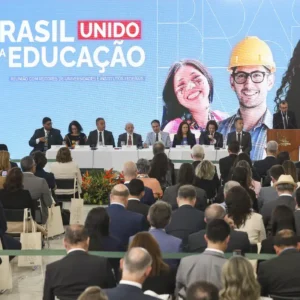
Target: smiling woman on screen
187	94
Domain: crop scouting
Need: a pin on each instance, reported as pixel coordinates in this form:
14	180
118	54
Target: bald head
129	127
129	170
119	194
214	211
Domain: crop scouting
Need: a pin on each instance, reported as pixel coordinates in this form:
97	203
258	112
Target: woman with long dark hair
187	94
75	135
184	135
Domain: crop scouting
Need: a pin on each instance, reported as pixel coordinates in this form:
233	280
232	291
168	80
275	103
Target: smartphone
4	173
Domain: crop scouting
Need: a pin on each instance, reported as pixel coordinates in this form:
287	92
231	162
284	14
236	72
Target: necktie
100	137
156	138
129	140
285	121
239	138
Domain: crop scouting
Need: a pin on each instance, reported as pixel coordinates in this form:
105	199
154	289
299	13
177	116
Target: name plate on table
125	147
57	146
183	146
209	147
82	147
108	147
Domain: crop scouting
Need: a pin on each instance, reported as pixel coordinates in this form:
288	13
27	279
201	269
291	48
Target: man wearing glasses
44	137
252	75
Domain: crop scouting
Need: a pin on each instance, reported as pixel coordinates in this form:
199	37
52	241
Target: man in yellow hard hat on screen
252	76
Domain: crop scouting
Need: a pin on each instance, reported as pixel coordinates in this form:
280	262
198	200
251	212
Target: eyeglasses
256	77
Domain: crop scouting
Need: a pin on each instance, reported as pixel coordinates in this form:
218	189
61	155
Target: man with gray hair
197	155
123	223
130	138
136	267
228	185
285	187
262	166
93	293
238	240
37	187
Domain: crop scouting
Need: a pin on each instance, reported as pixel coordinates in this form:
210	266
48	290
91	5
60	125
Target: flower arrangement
97	185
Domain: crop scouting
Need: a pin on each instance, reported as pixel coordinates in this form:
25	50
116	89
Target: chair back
14	215
66	186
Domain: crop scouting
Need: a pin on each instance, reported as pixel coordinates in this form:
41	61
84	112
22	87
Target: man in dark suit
70	276
242	137
262	166
186	219
100	136
285	187
130	138
136	267
280	276
227	162
238	240
136	193
284	119
130	172
211	136
45	137
123	223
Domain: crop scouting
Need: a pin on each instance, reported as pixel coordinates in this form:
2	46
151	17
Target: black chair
14	215
66	188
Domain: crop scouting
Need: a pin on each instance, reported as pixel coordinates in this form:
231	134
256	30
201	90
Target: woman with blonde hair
238	280
207	178
4	166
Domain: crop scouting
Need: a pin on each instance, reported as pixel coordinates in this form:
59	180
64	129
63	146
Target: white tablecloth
107	157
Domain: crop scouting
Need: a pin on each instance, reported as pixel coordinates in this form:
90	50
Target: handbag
5	272
76	211
54	222
30	240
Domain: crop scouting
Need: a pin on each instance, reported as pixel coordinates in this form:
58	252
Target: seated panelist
75	135
211	136
157	136
45	137
130	138
100	136
184	135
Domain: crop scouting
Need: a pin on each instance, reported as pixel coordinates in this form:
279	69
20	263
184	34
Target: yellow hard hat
252	51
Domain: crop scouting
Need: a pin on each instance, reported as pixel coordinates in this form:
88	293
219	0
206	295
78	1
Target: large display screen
81	60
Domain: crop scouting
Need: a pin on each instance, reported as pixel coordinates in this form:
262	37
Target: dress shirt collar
132	283
286	194
185	204
136	199
153	228
126	182
117	203
75	249
28	173
100	131
214	250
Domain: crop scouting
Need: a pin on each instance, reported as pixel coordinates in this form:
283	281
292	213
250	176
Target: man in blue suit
157	136
123	223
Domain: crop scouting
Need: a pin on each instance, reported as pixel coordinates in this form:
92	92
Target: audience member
197	155
282	157
136	267
186	219
262	166
239	209
69	277
161	279
13	195
282	218
130	172
37	187
143	168
290	169
207	178
280	276
238	239
3	147
40	163
227	162
269	193
93	293
4	166
297	212
184	135
208	265
202	290
123	223
223	190
242	176
238	279
136	193
186	176
285	187
160	170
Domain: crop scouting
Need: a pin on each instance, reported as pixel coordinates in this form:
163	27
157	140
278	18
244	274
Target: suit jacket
266	195
191	140
267	209
225	165
108	138
278	122
13	165
280	276
262	166
125	292
204	140
238	241
209	186
246	144
203	267
297	221
165	139
54	138
38	189
185	221
49	177
67	278
136	139
137	206
148	197
124	223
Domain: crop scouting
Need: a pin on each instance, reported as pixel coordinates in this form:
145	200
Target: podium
287	139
